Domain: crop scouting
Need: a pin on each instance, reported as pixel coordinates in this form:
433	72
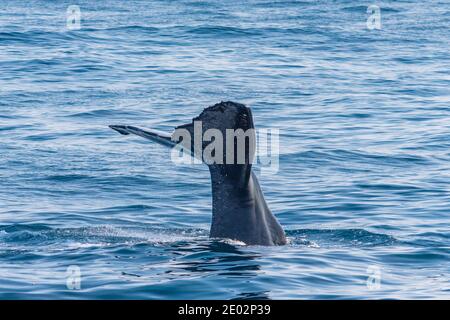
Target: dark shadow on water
262	295
216	257
217	262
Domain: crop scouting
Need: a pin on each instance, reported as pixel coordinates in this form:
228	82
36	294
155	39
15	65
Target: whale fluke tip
119	129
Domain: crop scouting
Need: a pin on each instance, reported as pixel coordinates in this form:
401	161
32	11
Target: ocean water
364	118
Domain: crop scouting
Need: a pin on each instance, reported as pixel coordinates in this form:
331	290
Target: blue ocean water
364	116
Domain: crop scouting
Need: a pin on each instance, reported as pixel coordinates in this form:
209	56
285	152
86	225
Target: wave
39	234
95	113
126	28
223	31
84	237
363	9
339	238
340	155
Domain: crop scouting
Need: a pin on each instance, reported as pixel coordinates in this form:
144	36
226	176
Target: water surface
364	117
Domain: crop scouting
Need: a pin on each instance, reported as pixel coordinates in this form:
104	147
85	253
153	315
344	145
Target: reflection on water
215	257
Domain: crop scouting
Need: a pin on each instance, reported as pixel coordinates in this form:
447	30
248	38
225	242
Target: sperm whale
239	210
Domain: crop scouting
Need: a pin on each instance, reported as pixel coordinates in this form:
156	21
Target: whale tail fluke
239	209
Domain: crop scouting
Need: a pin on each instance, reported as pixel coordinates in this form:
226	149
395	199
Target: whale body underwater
239	210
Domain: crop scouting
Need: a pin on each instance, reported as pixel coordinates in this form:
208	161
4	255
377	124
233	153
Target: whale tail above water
240	211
